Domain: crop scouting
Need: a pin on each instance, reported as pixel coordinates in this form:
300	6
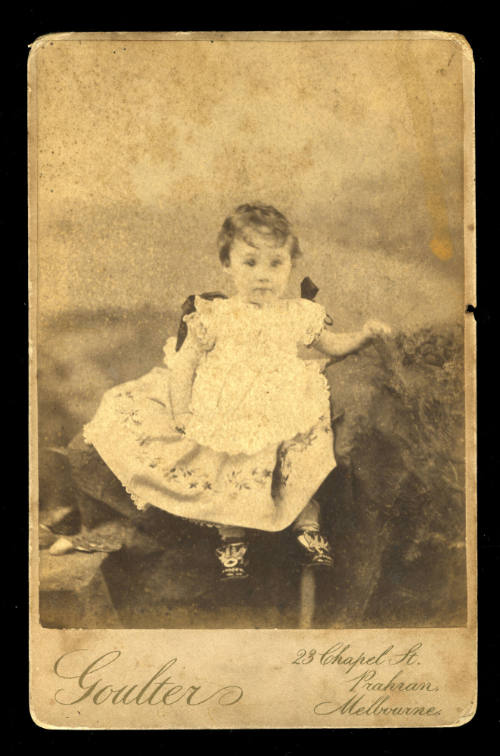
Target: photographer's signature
99	681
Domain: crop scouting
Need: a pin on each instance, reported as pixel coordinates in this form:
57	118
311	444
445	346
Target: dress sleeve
312	319
202	323
200	326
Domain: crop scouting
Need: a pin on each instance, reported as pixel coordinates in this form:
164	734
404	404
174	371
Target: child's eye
250	262
277	262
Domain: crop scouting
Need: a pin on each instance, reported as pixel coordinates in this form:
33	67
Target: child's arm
342	344
182	372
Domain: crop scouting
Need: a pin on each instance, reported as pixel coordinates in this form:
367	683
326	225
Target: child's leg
308	519
231	532
232	553
315	549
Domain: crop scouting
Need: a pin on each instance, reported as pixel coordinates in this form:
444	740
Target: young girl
235	431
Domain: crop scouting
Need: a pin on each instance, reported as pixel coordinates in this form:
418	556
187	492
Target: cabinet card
252	380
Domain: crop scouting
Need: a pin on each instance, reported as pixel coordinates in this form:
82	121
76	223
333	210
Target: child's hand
373	329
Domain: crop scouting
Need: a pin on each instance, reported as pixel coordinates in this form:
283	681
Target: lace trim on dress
139	502
199	323
317	321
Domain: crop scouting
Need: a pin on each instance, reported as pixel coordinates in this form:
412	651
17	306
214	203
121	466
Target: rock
396	503
73	592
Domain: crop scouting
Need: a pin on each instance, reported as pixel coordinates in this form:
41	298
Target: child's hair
265	220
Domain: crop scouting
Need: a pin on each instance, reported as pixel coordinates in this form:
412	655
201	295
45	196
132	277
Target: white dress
259	443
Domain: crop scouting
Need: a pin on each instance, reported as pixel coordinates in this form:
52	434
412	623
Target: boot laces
232	554
315	542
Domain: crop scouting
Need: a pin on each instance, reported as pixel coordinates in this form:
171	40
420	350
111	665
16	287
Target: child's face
259	271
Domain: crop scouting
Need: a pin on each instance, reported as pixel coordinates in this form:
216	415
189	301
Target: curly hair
263	219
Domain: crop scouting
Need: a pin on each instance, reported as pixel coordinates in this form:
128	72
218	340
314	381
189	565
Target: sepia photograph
251	256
